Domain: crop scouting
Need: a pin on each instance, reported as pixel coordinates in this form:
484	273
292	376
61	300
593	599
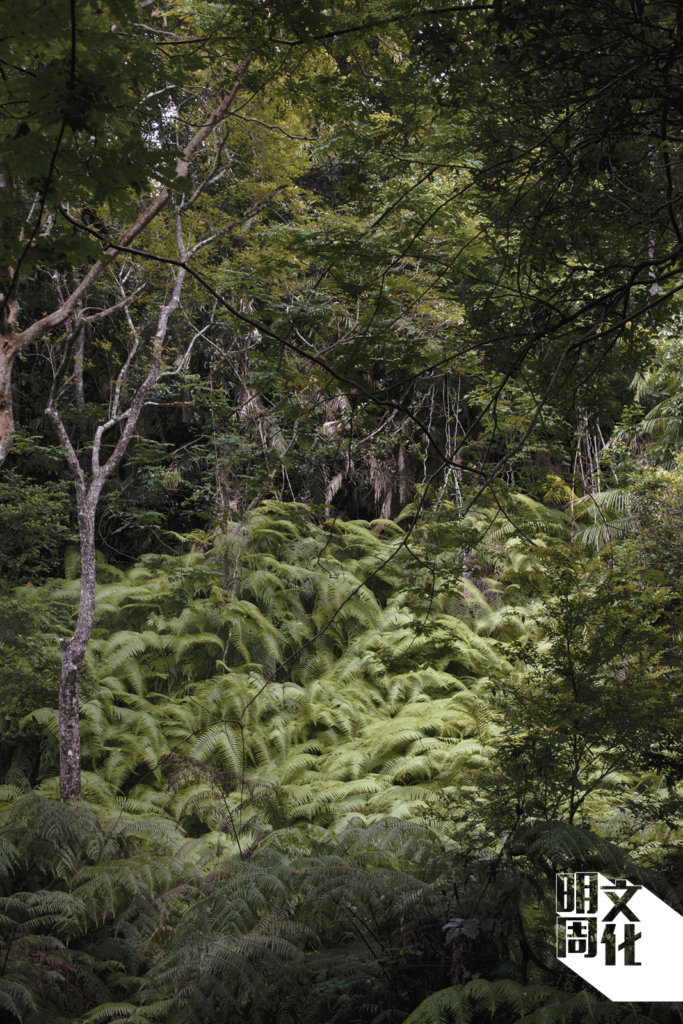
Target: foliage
388	611
78	106
29	624
76	900
34	526
590	695
258	656
352	770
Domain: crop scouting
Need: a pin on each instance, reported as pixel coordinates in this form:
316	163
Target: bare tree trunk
87	498
73	652
79	353
8	351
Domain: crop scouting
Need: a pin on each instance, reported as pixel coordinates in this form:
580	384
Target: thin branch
92	317
69	453
58	316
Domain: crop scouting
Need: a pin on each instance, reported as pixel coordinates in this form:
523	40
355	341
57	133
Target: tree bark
79	356
73	652
8	351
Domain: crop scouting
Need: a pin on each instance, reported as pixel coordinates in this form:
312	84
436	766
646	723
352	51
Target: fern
538	1003
74	908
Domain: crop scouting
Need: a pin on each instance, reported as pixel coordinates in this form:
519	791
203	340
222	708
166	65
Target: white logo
619	937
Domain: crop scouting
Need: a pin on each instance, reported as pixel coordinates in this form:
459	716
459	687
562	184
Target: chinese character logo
577	895
619	937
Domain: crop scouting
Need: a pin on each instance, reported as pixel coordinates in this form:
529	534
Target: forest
341	503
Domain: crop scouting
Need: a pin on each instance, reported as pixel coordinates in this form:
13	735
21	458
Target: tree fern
75	902
511	1001
299	672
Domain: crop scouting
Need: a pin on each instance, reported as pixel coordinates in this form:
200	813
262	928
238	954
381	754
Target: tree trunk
87	498
79	351
8	351
73	652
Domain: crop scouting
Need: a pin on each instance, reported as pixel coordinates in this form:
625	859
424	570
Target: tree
63	208
88	490
591	695
82	126
577	118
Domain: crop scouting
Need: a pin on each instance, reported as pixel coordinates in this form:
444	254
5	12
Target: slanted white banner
619	937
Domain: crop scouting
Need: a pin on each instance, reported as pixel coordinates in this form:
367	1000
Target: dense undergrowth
330	771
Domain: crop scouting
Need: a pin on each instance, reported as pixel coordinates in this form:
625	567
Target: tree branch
59	315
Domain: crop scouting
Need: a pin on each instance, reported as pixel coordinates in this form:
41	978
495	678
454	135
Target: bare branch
138	402
123	372
102	313
69	452
183	360
59	315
